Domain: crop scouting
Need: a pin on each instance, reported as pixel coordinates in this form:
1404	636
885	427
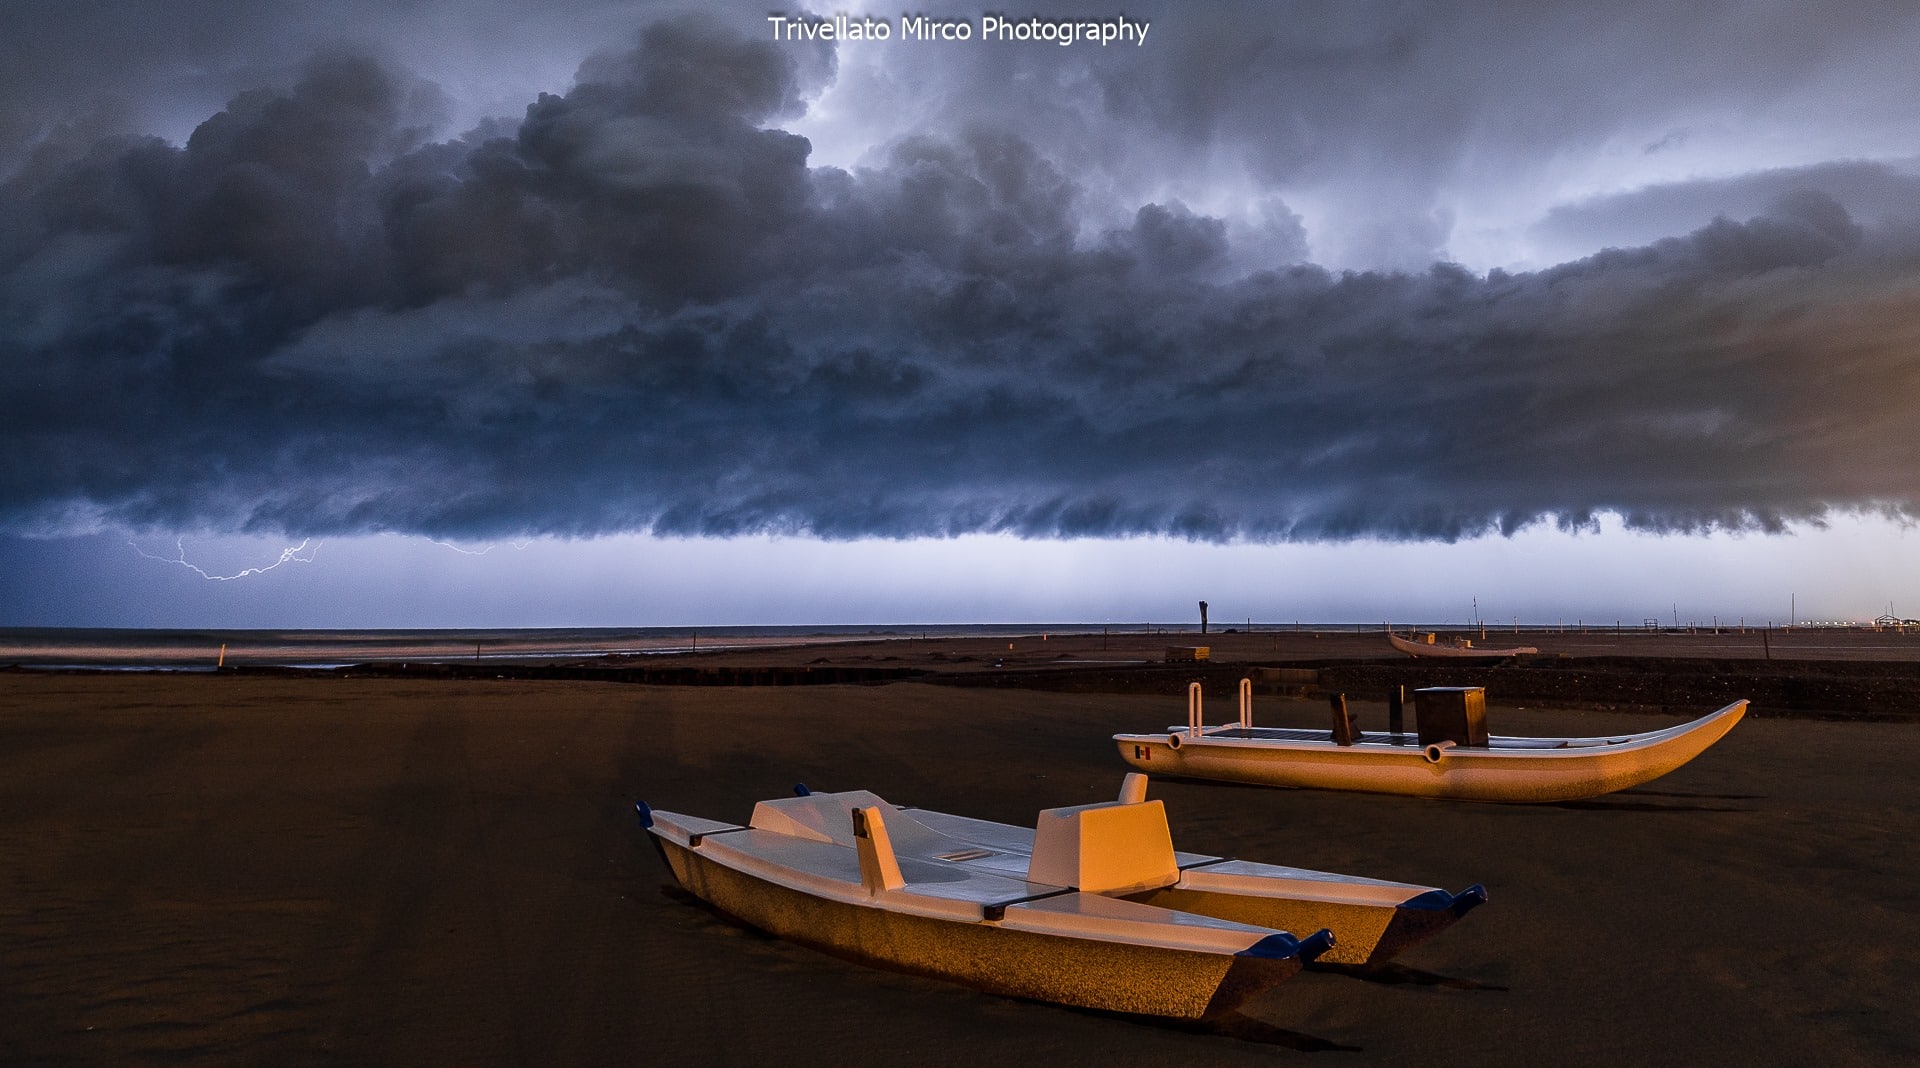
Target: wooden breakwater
719	675
1823	689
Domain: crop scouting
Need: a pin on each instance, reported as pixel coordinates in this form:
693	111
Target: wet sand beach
303	870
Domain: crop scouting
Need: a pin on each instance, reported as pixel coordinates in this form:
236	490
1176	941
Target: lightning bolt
479	552
287	555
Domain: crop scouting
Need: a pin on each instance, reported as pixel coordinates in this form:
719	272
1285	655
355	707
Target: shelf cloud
643	305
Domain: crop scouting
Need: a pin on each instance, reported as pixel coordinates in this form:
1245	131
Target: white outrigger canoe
1093	908
1459	647
1505	768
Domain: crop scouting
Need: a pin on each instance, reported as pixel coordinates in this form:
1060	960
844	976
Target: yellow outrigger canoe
1504	768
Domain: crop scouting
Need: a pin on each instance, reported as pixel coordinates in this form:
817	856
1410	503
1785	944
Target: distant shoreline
119	648
1822	673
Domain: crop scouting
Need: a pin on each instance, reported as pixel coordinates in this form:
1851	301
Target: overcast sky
1354	310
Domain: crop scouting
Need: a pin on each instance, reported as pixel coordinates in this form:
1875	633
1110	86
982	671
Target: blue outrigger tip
800	790
645	812
1469	899
1281	946
1315	944
1440	901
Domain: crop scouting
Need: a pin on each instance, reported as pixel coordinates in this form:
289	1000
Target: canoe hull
1087	972
1420	649
1582	770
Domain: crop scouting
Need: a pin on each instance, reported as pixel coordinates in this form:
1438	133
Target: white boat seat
1111	847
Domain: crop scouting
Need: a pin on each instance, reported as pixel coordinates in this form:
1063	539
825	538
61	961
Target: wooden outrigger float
1092	908
1458	648
1451	756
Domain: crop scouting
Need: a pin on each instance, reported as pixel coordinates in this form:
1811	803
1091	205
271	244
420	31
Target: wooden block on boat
879	868
1343	732
1456	714
1184	653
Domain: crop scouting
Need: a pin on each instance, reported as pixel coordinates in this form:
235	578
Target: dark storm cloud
132	64
1390	113
638	308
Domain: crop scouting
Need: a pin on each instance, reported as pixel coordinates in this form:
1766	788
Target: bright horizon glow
1850	570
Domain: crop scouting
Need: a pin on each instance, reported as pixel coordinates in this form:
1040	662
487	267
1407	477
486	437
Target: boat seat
1104	848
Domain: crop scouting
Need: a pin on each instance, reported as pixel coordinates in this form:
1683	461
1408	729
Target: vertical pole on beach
1193	709
1203	617
1397	710
222	662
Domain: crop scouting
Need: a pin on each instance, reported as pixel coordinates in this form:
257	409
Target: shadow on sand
1681	793
1393	973
1619	803
1232	1025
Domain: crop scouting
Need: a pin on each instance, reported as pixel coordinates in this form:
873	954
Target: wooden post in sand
222	662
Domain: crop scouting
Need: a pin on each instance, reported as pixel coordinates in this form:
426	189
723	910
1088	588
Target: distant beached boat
1458	647
1092	908
1456	759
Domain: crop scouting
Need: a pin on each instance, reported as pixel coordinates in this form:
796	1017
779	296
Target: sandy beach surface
290	871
